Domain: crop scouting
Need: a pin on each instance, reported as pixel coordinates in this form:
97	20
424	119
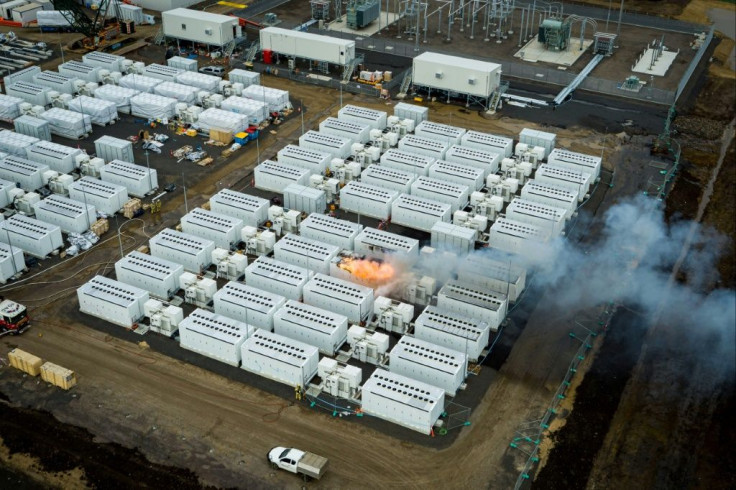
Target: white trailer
60	158
488	142
315	326
160	277
424	146
344	297
199	27
222	229
337	146
298	44
548	218
516	237
194	253
367	200
252	210
384	244
576	161
454	331
314	161
31	92
456	75
453	238
304	252
489	161
110	148
327	229
69	215
402	400
141	83
468	175
82	71
439	132
475	302
407	161
533	137
12	262
105	197
277	277
214	336
551	195
456	195
248	304
27	174
388	178
362	115
493	272
280	358
430	363
275	176
419	213
112	301
574	180
357	132
55	81
111	62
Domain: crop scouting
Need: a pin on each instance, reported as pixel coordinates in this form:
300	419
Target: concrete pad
660	67
369	30
534	52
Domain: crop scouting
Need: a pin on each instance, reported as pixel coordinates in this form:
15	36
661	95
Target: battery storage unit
488	142
533	137
24	75
27	174
55	81
140	83
112	301
182	93
274	176
30	92
367	200
551	195
183	63
202	81
5	187
456	195
192	252
109	148
493	272
33	126
344	297
439	132
246	77
315	326
280	358
10	107
69	215
468	175
454	331
33	236
362	115
304	199
248	304
111	62
13	143
82	71
327	229
357	132
139	180
475	302
453	238
12	262
564	177
548	218
416	113
106	197
384	244
305	252
516	237
222	229
160	277
162	72
314	161
277	277
214	336
419	213
337	146
407	161
118	94
488	161
60	158
424	146
388	178
576	161
251	209
430	363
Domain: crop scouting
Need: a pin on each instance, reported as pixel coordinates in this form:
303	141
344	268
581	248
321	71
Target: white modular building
545	217
456	75
384	244
12	143
105	197
551	195
11	262
60	158
315	326
407	161
31	92
33	126
134	81
516	237
430	363
357	132
489	161
102	112
305	252
158	276
367	199
440	132
453	238
454	331
402	400
424	146
362	115
152	106
33	236
495	273
419	213
280	358
27	174
277	100
574	180
246	77
488	142
194	253
69	215
576	161
277	277
275	176
111	62
533	137
388	178
199	27
248	304
337	146
314	161
344	297
110	148
162	72
178	91
468	175
202	81
112	301
82	71
298	44
252	210
139	180
222	229
55	81
456	195
119	95
327	229
475	302
214	336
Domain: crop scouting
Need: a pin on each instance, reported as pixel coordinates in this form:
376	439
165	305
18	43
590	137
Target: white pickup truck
300	462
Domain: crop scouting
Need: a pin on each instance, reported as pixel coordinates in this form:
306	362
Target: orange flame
372	271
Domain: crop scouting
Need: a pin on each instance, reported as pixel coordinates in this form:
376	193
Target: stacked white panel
32	93
60	158
453	238
494	273
275	99
304	252
274	176
546	217
245	77
533	137
424	361
194	253
33	126
138	82
344	297
105	197
222	229
565	177
453	331
280	358
314	161
419	213
388	178
475	302
214	336
214	118
402	400
151	106
327	229
384	244
251	209
362	115
248	304
277	277
357	132
110	148
516	237
12	262
55	81
424	146
119	95
183	63
28	174
576	161
68	124
112	301
83	71
551	195
407	161
337	146
202	81
312	325
158	276
367	200
182	93
13	143
107	61
489	161
468	175
162	72
255	110
456	195
439	132
69	215
488	142
139	180
9	107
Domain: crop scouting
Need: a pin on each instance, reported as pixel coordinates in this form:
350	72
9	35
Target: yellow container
58	376
191	132
23	361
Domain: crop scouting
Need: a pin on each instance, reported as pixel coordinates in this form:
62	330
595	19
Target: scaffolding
320	9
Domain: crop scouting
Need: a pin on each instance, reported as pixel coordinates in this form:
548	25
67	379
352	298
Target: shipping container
551	195
315	326
388	178
337	146
488	161
69	215
33	126
424	146
407	161
314	161
29	91
198	26
248	304
362	115
456	195
27	174
25	361
58	376
413	112
112	301
277	277
111	62
185	64
192	252
548	218
105	197
367	200
430	363
12	143
298	44
475	302
246	77
439	132
304	199
82	71
139	180
214	336
330	230
495	272
222	229
453	238
419	213
357	132
160	277
109	148
12	262
280	358
251	209
455	74
60	158
305	252
343	297
274	176
488	142
468	175
387	245
461	333
567	178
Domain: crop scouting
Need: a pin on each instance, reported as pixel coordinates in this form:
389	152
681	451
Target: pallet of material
26	362
100	226
58	376
205	161
131	207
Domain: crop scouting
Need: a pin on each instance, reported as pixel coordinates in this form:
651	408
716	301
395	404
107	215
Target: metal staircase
405	83
252	52
159	38
350	68
496	98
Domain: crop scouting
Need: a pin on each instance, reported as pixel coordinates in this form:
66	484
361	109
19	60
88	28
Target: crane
90	26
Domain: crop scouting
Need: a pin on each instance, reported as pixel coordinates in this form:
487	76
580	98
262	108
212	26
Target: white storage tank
30	92
516	237
27	174
488	142
137	82
384	244
112	301
367	200
83	71
453	331
362	115
546	217
576	161
182	63
69	215
533	137
214	336
304	252
105	197
356	132
222	229
475	302
194	253
110	148
160	277
12	262
439	132
151	106
111	62
12	143
344	297
337	146
246	77
551	195
449	237
274	176
468	175
413	112
488	161
60	158
33	236
424	146
388	178
574	180
277	277
430	363
33	126
315	326
314	161
494	272
139	180
55	81
251	209
248	304
330	230
456	195
407	161
119	95
162	72
419	213
280	358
